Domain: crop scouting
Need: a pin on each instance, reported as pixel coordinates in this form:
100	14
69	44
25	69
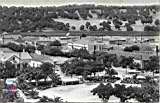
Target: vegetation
157	22
23	19
147	93
132	48
10	70
103	91
55	100
152	64
55	43
20	47
151	28
81	67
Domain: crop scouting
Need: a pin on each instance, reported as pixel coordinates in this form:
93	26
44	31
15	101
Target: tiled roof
41	58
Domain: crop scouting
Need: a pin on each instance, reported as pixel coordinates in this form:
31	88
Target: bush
53	52
128	49
157	22
83	35
55	43
151	28
132	48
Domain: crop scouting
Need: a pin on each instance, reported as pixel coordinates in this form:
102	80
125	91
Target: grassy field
94	21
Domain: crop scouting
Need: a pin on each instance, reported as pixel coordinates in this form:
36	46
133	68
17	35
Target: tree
55	43
87	24
151	28
82	27
40	47
129	28
47	69
157	22
55	100
53	51
55	78
83	35
119	92
147	93
73	27
132	48
135	48
111	72
103	91
81	53
97	67
30	48
152	64
117	26
93	28
106	25
15	47
9	70
125	61
128	49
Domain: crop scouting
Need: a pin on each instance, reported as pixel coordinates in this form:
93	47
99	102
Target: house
38	60
15	57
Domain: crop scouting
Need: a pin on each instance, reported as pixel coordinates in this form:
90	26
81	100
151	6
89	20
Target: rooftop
23	55
41	58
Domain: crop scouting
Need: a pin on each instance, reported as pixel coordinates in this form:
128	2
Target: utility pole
3	38
157	50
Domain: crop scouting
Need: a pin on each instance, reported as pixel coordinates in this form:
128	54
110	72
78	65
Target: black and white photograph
79	51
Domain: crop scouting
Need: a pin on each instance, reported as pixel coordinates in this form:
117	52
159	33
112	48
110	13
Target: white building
88	44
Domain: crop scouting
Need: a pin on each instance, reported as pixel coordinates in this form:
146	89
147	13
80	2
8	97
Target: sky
37	3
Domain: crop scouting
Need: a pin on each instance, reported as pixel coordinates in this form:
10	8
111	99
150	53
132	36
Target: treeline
139	94
23	19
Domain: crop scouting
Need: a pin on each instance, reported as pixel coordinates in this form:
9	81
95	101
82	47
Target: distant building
8	38
90	45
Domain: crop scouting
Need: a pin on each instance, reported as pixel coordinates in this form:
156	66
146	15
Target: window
13	58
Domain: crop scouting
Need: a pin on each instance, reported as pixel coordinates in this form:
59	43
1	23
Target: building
15	57
38	60
4	39
88	43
